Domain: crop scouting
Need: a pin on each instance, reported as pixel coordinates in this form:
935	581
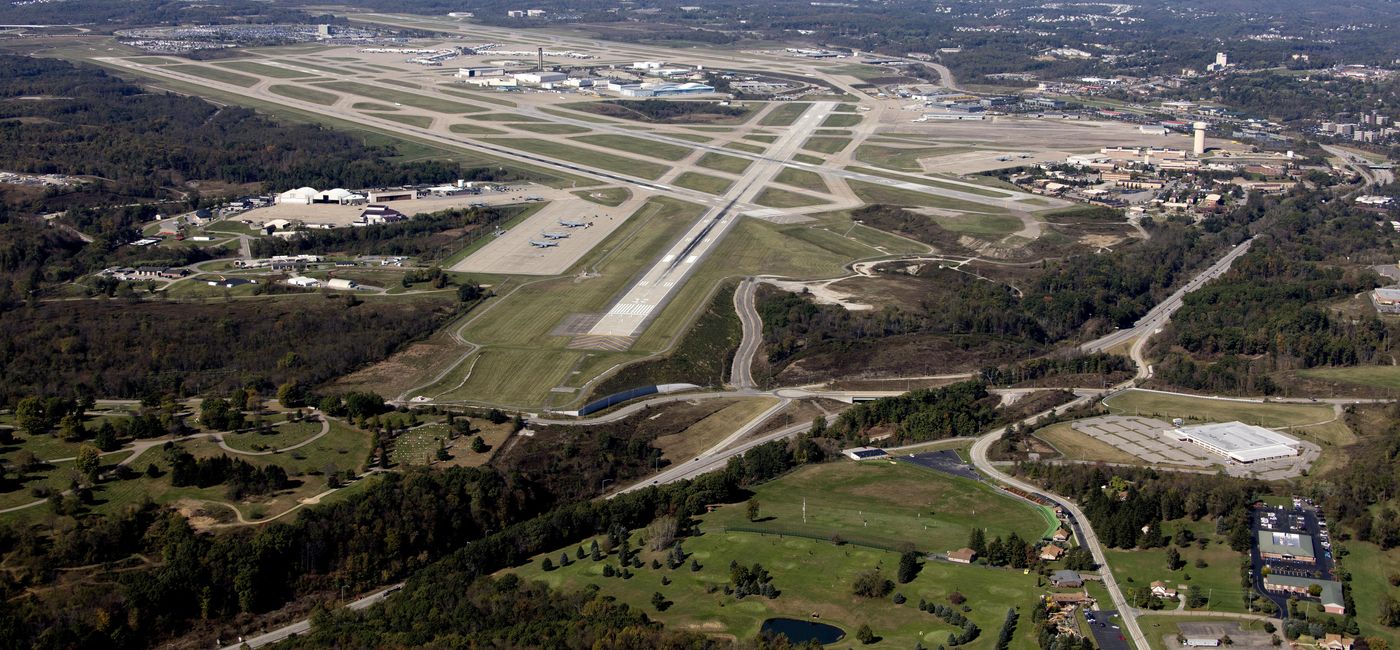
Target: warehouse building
540	77
1239	442
469	73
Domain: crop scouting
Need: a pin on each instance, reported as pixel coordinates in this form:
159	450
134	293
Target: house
962	556
1161	590
1050	552
1062	534
1066	578
1335	642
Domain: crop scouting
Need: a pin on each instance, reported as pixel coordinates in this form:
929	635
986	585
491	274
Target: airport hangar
1239	442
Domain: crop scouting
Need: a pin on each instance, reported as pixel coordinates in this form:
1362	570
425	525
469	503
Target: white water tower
1200	145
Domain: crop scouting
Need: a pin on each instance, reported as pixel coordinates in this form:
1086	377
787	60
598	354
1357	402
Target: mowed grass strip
841	120
504	117
214	74
777	198
1165	406
649	148
420	121
550	129
589	157
703	182
983	225
1387	377
474	129
824	144
481	97
262	69
609	196
873	193
415	100
930	182
305	94
784	114
744	146
322	68
803	179
723	163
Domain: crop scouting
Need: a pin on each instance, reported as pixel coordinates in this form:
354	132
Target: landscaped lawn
814	576
1220	579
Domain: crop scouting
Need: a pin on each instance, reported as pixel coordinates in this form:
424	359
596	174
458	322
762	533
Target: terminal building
1238	442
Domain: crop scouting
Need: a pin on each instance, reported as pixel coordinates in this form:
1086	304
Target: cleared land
1387	377
684	445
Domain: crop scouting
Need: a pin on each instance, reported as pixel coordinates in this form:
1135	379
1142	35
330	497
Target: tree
441	453
751	509
106	437
870	584
865	634
908	567
977	541
659	601
31	416
1173	559
88	461
1315	590
547	564
479	446
291	394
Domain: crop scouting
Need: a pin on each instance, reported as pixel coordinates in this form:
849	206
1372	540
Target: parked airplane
554	235
567	223
543	244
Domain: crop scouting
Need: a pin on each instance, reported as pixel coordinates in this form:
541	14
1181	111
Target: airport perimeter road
1091	541
630	313
303	626
741	373
1160	314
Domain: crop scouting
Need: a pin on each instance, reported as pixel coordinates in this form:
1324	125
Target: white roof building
1239	442
299	196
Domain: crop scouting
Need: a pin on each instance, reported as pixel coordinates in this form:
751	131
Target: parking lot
1143	437
946	461
1302	519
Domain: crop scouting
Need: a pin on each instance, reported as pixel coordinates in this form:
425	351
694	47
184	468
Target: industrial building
310	196
470	73
1239	442
540	77
1288	547
664	89
1386	300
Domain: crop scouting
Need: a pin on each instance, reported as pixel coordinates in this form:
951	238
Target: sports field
814	576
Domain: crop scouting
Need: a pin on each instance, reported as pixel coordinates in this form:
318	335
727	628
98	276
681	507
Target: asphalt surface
1325	562
1107	632
303	626
945	462
741	373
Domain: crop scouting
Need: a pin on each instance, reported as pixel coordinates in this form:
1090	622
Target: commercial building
1329	591
663	89
1291	547
469	73
865	453
1386	300
1239	442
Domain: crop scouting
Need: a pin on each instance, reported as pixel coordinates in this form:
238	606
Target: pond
799	632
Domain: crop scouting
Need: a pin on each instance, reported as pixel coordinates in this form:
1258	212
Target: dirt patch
399	372
201	515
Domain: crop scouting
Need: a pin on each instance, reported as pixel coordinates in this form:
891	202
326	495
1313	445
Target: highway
741	372
1160	314
302	626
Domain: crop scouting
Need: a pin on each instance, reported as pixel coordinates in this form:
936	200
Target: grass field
420	121
1165	407
415	100
371	106
304	93
504	117
215	74
474	129
1387	377
640	146
323	68
778	198
261	69
897	158
993	226
610	162
549	128
814	576
811	160
841	120
282	436
784	114
824	144
803	179
872	193
1370	569
1220	578
703	182
723	163
744	146
481	97
684	445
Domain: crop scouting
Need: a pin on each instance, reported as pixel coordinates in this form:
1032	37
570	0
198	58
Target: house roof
1065	575
962	554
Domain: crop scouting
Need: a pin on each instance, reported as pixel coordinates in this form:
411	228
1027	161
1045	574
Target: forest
447	529
1274	309
128	349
